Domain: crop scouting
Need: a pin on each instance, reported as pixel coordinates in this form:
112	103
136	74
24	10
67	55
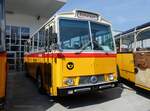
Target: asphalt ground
22	95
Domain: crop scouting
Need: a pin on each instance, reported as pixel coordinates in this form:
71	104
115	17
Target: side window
143	41
41	39
127	43
30	45
50	35
46	39
35	42
118	44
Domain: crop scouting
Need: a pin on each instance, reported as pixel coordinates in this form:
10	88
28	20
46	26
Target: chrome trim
87	79
89	85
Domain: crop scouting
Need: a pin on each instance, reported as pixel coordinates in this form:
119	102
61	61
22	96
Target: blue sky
123	14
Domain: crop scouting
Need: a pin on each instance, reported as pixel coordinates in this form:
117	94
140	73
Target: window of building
16	37
25	32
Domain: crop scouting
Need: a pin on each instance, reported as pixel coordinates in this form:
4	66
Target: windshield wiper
83	48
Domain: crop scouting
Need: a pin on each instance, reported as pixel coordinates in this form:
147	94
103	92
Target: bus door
127	60
128	66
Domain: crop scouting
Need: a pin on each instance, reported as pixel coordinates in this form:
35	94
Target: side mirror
54	37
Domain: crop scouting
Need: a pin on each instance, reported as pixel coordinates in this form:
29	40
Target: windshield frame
90	34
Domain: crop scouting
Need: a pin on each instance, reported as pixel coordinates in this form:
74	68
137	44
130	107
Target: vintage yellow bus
71	53
3	55
133	56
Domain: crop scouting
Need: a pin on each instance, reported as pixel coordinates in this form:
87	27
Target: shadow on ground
142	92
22	95
139	91
89	98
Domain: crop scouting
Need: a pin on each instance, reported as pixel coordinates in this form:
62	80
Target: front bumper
85	88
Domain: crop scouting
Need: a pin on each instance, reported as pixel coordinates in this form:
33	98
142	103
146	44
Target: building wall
25	21
16	37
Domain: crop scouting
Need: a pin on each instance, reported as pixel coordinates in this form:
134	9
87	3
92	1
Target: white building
24	17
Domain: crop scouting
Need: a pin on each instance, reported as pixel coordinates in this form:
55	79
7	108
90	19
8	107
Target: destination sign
87	15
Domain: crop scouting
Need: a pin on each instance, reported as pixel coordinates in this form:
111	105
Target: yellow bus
133	56
71	53
3	55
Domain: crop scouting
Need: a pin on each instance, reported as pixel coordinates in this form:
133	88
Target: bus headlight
111	77
69	81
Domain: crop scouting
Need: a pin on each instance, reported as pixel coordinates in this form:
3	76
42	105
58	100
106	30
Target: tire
39	82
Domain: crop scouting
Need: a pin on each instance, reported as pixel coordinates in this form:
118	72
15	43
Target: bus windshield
75	35
102	37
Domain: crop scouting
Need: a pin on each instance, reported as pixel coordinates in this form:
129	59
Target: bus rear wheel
40	82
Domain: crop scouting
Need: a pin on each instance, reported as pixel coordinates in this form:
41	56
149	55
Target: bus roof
133	29
80	14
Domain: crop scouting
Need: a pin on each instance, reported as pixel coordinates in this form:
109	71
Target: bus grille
86	80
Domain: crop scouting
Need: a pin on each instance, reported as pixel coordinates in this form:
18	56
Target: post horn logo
70	65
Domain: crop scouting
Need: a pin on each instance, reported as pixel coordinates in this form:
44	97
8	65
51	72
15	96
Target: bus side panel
31	65
126	66
31	69
142	63
40	62
3	72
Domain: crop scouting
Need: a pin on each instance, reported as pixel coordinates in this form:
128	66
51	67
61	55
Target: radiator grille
86	79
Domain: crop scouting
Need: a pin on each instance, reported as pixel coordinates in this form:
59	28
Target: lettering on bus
87	15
